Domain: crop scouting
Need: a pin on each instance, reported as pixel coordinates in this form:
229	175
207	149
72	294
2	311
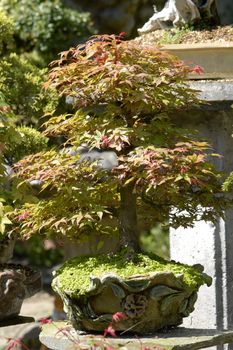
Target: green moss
74	275
174	36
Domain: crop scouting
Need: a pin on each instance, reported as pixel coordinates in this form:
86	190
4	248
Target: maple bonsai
125	98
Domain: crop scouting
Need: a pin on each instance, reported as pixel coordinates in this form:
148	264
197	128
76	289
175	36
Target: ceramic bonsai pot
17	282
160	297
214	58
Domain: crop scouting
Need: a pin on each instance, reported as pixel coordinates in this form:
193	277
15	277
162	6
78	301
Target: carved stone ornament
17	282
177	13
150	301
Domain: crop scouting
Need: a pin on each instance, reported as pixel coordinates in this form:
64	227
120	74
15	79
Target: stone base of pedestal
61	336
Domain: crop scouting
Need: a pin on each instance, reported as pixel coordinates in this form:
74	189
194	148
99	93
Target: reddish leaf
119	316
45	320
198	69
110	330
23	216
122	34
15	343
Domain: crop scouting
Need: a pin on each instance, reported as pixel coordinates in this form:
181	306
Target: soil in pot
187	36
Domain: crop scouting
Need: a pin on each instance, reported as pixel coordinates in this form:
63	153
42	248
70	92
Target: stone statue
177	13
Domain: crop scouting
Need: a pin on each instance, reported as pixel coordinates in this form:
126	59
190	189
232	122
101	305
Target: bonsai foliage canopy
124	99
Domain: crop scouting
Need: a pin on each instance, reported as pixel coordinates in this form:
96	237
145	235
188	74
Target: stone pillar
208	244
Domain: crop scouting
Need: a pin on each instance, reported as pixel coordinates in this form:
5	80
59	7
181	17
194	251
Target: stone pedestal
61	336
208	244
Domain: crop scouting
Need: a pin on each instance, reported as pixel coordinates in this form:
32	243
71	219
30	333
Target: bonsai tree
124	165
124	98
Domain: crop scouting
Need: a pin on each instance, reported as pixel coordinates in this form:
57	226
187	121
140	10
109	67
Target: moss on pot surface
74	275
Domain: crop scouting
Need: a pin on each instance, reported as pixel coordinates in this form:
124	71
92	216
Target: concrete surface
61	336
214	90
39	306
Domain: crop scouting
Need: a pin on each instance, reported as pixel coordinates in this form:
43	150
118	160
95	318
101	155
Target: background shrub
21	83
47	25
6	33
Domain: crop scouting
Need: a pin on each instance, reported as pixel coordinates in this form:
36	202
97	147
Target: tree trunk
129	235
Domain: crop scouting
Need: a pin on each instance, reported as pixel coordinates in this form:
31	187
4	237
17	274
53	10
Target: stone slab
214	90
61	336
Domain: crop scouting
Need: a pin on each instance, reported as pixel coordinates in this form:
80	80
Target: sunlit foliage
125	98
6	33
